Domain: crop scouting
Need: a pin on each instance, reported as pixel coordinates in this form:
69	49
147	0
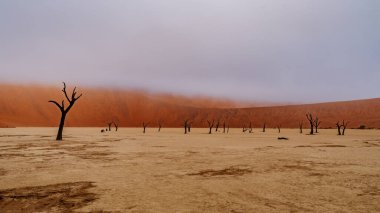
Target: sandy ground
127	171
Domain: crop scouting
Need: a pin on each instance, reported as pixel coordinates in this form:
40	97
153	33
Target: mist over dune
27	105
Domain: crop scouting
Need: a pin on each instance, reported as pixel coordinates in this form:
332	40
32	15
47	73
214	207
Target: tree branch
78	97
59	106
309	117
64	92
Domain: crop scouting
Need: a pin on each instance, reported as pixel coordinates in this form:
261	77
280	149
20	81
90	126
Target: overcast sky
255	50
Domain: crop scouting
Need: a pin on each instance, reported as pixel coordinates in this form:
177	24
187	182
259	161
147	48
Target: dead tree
300	124
159	125
109	125
338	126
344	125
190	118
226	120
279	128
217	126
64	110
250	127
244	129
316	124
309	117
210	125
185	125
145	125
116	125
264	127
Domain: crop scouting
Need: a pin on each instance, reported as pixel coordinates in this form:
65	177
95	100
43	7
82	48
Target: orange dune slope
27	105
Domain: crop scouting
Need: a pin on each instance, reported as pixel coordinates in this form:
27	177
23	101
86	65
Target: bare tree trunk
145	125
224	127
316	124
338	125
343	130
264	127
61	125
109	126
64	110
344	127
300	125
250	127
116	126
185	123
159	126
210	125
217	126
279	128
309	117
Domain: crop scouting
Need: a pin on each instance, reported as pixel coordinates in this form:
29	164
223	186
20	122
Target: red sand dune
28	106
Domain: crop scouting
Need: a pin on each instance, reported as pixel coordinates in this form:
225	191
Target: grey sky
256	50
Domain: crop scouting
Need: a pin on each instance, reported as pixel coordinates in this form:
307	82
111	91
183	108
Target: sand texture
27	106
127	171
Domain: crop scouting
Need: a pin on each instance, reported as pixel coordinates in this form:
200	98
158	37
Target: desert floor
127	171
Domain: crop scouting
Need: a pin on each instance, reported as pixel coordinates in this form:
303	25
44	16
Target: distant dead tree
279	128
300	124
217	125
226	120
145	125
340	126
344	126
264	126
250	127
109	125
316	124
64	110
116	124
210	125
309	117
226	127
192	114
244	129
186	125
160	123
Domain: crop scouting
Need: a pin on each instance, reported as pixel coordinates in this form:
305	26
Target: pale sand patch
172	172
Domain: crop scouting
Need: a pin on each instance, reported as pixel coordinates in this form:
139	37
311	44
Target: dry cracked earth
127	171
